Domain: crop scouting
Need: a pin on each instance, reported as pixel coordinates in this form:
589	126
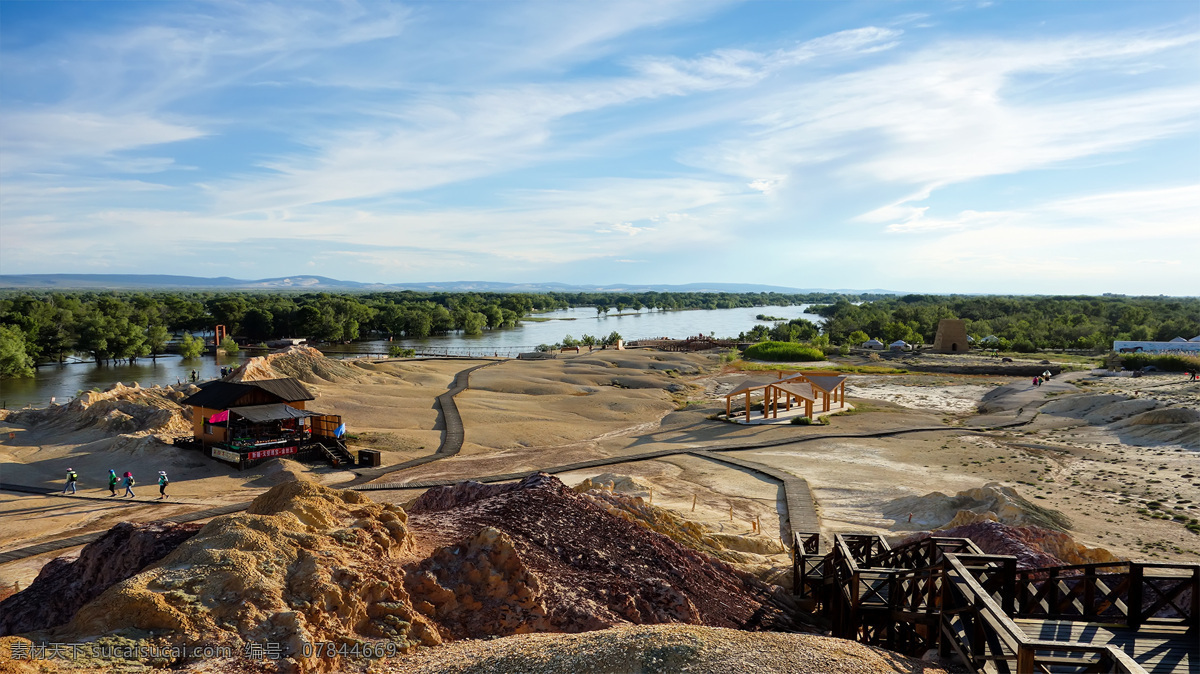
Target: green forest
49	326
1020	323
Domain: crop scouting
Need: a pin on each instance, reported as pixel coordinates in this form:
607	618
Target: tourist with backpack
162	484
72	478
112	482
129	484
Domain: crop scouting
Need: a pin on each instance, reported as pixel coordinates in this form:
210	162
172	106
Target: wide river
62	382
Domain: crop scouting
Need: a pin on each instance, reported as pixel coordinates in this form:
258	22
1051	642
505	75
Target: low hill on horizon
316	283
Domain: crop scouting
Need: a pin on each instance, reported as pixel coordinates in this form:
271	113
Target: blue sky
1025	147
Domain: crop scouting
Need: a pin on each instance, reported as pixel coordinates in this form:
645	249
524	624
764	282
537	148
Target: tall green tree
156	339
14	361
190	346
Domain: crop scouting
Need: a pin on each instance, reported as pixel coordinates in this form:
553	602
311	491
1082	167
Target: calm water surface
64	381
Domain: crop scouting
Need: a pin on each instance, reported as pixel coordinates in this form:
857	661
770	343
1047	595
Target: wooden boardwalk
801	510
1159	649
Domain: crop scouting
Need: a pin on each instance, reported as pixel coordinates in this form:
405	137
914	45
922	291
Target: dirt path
1023	398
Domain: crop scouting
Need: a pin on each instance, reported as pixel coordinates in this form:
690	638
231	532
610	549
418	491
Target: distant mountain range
317	283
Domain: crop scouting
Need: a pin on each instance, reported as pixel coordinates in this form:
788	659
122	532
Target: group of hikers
126	481
1043	377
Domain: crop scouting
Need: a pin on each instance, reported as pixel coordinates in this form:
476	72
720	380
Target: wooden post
1009	592
730	513
747	409
693	503
1136	578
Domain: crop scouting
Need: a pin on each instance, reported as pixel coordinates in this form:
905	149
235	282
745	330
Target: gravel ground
659	648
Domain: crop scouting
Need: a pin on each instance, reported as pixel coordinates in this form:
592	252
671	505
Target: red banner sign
274	451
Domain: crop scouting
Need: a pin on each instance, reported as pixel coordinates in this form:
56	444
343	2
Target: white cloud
40	139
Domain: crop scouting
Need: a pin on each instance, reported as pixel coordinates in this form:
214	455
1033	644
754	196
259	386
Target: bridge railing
806	565
980	631
1128	593
923	553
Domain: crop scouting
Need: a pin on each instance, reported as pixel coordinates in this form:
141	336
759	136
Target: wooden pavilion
800	388
830	386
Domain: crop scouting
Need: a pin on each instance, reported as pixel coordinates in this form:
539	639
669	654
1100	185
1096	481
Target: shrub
1163	361
1023	346
397	351
189	346
229	346
784	352
802	421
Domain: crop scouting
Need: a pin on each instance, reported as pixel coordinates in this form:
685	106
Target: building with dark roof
251	421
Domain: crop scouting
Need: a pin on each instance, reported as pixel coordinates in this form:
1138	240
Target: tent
1179	339
899	345
1195	339
872	344
990	339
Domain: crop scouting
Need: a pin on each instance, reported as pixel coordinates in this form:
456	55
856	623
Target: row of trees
1020	323
49	326
569	342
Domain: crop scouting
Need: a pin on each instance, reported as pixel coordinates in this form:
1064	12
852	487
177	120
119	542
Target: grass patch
850	369
1036	358
1165	362
784	352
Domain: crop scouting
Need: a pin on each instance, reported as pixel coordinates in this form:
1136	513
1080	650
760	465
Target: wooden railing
944	592
978	629
806	565
1126	593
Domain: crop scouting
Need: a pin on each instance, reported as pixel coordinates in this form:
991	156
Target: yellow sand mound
993	501
304	564
301	362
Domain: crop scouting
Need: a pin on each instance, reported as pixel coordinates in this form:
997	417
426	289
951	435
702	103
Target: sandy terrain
1081	458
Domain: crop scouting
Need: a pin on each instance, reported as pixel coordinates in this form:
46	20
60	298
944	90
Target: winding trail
801	514
453	432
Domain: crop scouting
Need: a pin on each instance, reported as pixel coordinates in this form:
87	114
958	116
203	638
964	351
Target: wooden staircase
946	594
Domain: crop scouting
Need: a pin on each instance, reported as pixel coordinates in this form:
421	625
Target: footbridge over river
946	594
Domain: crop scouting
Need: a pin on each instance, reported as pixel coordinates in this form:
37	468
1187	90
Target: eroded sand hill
308	564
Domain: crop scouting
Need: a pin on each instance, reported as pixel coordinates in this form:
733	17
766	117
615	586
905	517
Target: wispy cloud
415	141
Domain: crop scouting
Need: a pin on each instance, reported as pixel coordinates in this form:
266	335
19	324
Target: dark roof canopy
222	395
291	390
825	383
274	412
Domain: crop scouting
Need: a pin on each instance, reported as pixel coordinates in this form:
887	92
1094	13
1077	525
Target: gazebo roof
750	385
826	383
797	388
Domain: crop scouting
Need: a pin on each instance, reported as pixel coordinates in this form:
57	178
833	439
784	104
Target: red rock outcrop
1033	547
63	585
595	569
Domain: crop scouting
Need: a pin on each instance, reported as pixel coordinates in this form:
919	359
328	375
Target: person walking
162	484
72	478
129	484
112	482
